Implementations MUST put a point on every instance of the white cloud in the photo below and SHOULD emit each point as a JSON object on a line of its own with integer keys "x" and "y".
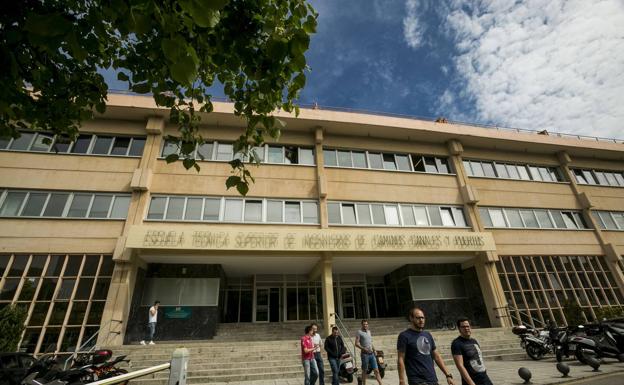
{"x": 539, "y": 64}
{"x": 413, "y": 25}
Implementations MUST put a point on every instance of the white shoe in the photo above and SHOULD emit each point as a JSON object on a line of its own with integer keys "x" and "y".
{"x": 142, "y": 342}
{"x": 152, "y": 343}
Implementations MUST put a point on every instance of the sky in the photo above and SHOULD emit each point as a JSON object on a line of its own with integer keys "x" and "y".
{"x": 538, "y": 64}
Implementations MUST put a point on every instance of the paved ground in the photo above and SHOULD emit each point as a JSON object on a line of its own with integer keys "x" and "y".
{"x": 506, "y": 373}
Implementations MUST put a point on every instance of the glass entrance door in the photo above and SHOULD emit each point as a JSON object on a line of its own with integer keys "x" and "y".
{"x": 353, "y": 302}
{"x": 348, "y": 303}
{"x": 268, "y": 304}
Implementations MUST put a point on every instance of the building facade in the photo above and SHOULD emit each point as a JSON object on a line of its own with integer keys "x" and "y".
{"x": 351, "y": 215}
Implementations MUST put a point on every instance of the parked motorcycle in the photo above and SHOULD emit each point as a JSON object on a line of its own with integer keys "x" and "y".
{"x": 47, "y": 371}
{"x": 537, "y": 343}
{"x": 565, "y": 346}
{"x": 602, "y": 340}
{"x": 346, "y": 368}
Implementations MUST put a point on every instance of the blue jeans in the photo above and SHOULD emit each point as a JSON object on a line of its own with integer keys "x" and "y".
{"x": 151, "y": 331}
{"x": 334, "y": 363}
{"x": 321, "y": 369}
{"x": 310, "y": 372}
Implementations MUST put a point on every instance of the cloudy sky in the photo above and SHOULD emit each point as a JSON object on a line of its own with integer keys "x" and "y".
{"x": 536, "y": 64}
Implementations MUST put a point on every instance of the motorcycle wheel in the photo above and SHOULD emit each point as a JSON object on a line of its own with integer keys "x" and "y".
{"x": 578, "y": 353}
{"x": 382, "y": 372}
{"x": 349, "y": 378}
{"x": 535, "y": 352}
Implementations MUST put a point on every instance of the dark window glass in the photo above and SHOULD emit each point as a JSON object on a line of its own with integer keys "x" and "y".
{"x": 79, "y": 206}
{"x": 50, "y": 340}
{"x": 90, "y": 265}
{"x": 58, "y": 313}
{"x": 46, "y": 292}
{"x": 120, "y": 147}
{"x": 36, "y": 265}
{"x": 18, "y": 265}
{"x": 78, "y": 311}
{"x": 8, "y": 290}
{"x": 443, "y": 166}
{"x": 70, "y": 339}
{"x": 81, "y": 145}
{"x": 100, "y": 206}
{"x": 56, "y": 205}
{"x": 12, "y": 204}
{"x": 157, "y": 208}
{"x": 419, "y": 164}
{"x": 55, "y": 265}
{"x": 101, "y": 288}
{"x": 107, "y": 266}
{"x": 23, "y": 142}
{"x": 66, "y": 289}
{"x": 4, "y": 262}
{"x": 102, "y": 145}
{"x": 136, "y": 147}
{"x": 333, "y": 213}
{"x": 29, "y": 342}
{"x": 292, "y": 155}
{"x": 120, "y": 207}
{"x": 388, "y": 161}
{"x": 73, "y": 265}
{"x": 34, "y": 204}
{"x": 84, "y": 288}
{"x": 40, "y": 311}
{"x": 61, "y": 144}
{"x": 430, "y": 164}
{"x": 4, "y": 142}
{"x": 211, "y": 209}
{"x": 95, "y": 313}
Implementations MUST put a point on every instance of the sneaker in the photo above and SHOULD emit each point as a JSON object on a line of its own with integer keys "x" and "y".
{"x": 152, "y": 343}
{"x": 142, "y": 342}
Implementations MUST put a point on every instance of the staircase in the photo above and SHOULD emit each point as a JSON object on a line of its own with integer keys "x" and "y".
{"x": 251, "y": 352}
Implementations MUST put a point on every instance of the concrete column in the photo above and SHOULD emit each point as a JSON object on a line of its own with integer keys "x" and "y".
{"x": 484, "y": 263}
{"x": 611, "y": 252}
{"x": 321, "y": 179}
{"x": 115, "y": 315}
{"x": 327, "y": 284}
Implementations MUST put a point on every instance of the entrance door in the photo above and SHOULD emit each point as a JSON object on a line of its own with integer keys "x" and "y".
{"x": 348, "y": 303}
{"x": 353, "y": 304}
{"x": 267, "y": 304}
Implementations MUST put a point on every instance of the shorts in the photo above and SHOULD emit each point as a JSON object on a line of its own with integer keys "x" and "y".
{"x": 369, "y": 361}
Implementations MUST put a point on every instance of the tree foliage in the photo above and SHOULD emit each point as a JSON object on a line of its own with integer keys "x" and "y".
{"x": 51, "y": 52}
{"x": 12, "y": 319}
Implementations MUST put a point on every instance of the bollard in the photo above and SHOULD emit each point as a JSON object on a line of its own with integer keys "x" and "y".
{"x": 179, "y": 365}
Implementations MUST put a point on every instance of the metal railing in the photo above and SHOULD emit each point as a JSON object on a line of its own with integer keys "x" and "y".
{"x": 132, "y": 375}
{"x": 345, "y": 332}
{"x": 79, "y": 349}
{"x": 513, "y": 312}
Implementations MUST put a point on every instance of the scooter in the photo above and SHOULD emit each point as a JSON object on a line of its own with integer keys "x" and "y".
{"x": 603, "y": 340}
{"x": 565, "y": 346}
{"x": 523, "y": 332}
{"x": 346, "y": 367}
{"x": 46, "y": 371}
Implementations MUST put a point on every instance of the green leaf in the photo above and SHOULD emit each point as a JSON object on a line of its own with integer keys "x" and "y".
{"x": 232, "y": 181}
{"x": 243, "y": 188}
{"x": 172, "y": 158}
{"x": 172, "y": 48}
{"x": 280, "y": 123}
{"x": 142, "y": 88}
{"x": 202, "y": 12}
{"x": 47, "y": 25}
{"x": 310, "y": 25}
{"x": 123, "y": 77}
{"x": 188, "y": 163}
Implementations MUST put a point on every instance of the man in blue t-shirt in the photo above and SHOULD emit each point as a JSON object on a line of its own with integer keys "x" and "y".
{"x": 417, "y": 352}
{"x": 467, "y": 356}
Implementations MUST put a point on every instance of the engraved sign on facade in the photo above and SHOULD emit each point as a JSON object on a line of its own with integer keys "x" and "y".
{"x": 257, "y": 238}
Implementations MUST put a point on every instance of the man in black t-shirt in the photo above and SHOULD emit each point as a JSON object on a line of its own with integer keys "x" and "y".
{"x": 417, "y": 352}
{"x": 467, "y": 356}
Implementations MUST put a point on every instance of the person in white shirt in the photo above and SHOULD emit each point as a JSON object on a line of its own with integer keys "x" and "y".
{"x": 151, "y": 323}
{"x": 316, "y": 338}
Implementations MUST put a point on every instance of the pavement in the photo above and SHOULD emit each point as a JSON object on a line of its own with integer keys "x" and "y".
{"x": 544, "y": 372}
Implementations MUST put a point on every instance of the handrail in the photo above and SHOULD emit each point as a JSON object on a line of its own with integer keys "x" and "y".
{"x": 342, "y": 327}
{"x": 79, "y": 349}
{"x": 132, "y": 375}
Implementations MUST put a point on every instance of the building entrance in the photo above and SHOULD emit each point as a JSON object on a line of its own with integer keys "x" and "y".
{"x": 352, "y": 302}
{"x": 268, "y": 304}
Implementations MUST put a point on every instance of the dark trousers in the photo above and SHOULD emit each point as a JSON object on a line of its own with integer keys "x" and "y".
{"x": 334, "y": 363}
{"x": 151, "y": 330}
{"x": 319, "y": 364}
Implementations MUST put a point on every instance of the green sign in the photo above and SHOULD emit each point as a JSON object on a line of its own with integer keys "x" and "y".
{"x": 178, "y": 312}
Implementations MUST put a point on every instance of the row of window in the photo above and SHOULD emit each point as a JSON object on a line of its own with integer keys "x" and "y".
{"x": 61, "y": 204}
{"x": 178, "y": 208}
{"x": 609, "y": 220}
{"x": 385, "y": 161}
{"x": 393, "y": 214}
{"x": 602, "y": 178}
{"x": 493, "y": 169}
{"x": 93, "y": 144}
{"x": 225, "y": 152}
{"x": 532, "y": 218}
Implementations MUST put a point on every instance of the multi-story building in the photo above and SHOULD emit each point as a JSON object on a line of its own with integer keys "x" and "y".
{"x": 351, "y": 214}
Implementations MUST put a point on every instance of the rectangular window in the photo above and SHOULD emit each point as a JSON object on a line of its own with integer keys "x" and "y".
{"x": 388, "y": 162}
{"x": 477, "y": 169}
{"x": 600, "y": 177}
{"x": 292, "y": 212}
{"x": 447, "y": 216}
{"x": 233, "y": 210}
{"x": 225, "y": 151}
{"x": 211, "y": 209}
{"x": 310, "y": 212}
{"x": 39, "y": 142}
{"x": 559, "y": 222}
{"x": 348, "y": 214}
{"x": 443, "y": 166}
{"x": 204, "y": 151}
{"x": 589, "y": 177}
{"x": 430, "y": 164}
{"x": 403, "y": 162}
{"x": 291, "y": 155}
{"x": 545, "y": 174}
{"x": 469, "y": 169}
{"x": 333, "y": 213}
{"x": 501, "y": 170}
{"x": 120, "y": 146}
{"x": 253, "y": 211}
{"x": 274, "y": 211}
{"x": 136, "y": 147}
{"x": 157, "y": 208}
{"x": 419, "y": 163}
{"x": 619, "y": 220}
{"x": 458, "y": 214}
{"x": 524, "y": 174}
{"x": 363, "y": 213}
{"x": 580, "y": 178}
{"x": 619, "y": 178}
{"x": 513, "y": 216}
{"x": 420, "y": 213}
{"x": 535, "y": 175}
{"x": 498, "y": 220}
{"x": 169, "y": 147}
{"x": 306, "y": 156}
{"x": 120, "y": 207}
{"x": 102, "y": 145}
{"x": 544, "y": 219}
{"x": 580, "y": 222}
{"x": 434, "y": 215}
{"x": 4, "y": 142}
{"x": 375, "y": 160}
{"x": 359, "y": 159}
{"x": 485, "y": 217}
{"x": 568, "y": 219}
{"x": 597, "y": 217}
{"x": 512, "y": 170}
{"x": 608, "y": 221}
{"x": 379, "y": 217}
{"x": 554, "y": 174}
{"x": 276, "y": 154}
{"x": 61, "y": 144}
{"x": 23, "y": 142}
{"x": 344, "y": 159}
{"x": 329, "y": 157}
{"x": 392, "y": 215}
{"x": 610, "y": 178}
{"x": 407, "y": 213}
{"x": 193, "y": 211}
{"x": 34, "y": 204}
{"x": 528, "y": 216}
{"x": 81, "y": 145}
{"x": 100, "y": 206}
{"x": 488, "y": 169}
{"x": 175, "y": 208}
{"x": 56, "y": 205}
{"x": 79, "y": 206}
